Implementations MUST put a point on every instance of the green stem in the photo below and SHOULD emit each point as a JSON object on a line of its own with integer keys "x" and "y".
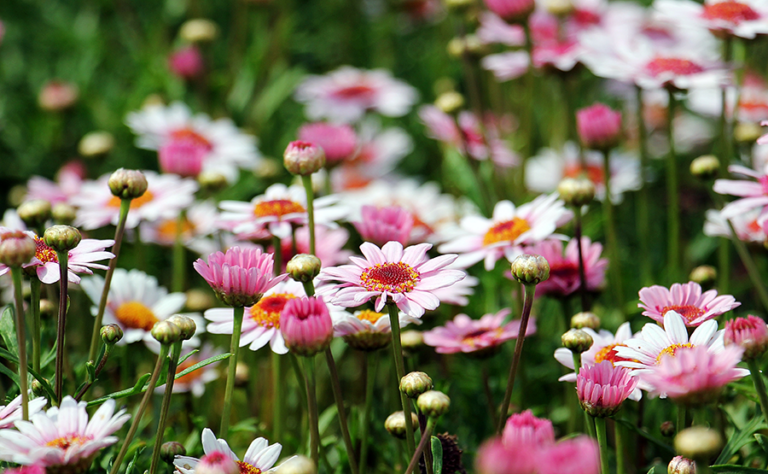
{"x": 307, "y": 182}
{"x": 372, "y": 363}
{"x": 99, "y": 368}
{"x": 179, "y": 269}
{"x": 611, "y": 239}
{"x": 277, "y": 393}
{"x": 530, "y": 291}
{"x": 21, "y": 341}
{"x": 234, "y": 349}
{"x": 394, "y": 321}
{"x": 724, "y": 266}
{"x": 619, "y": 437}
{"x": 582, "y": 271}
{"x": 587, "y": 419}
{"x": 680, "y": 425}
{"x": 749, "y": 264}
{"x": 673, "y": 202}
{"x": 172, "y": 363}
{"x": 602, "y": 441}
{"x": 642, "y": 226}
{"x": 488, "y": 394}
{"x": 300, "y": 381}
{"x": 125, "y": 206}
{"x": 62, "y": 323}
{"x": 142, "y": 408}
{"x": 757, "y": 379}
{"x": 336, "y": 386}
{"x": 702, "y": 466}
{"x": 34, "y": 303}
{"x": 277, "y": 245}
{"x": 314, "y": 429}
{"x": 426, "y": 438}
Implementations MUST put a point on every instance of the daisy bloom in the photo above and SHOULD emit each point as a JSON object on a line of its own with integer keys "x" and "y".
{"x": 379, "y": 225}
{"x": 686, "y": 300}
{"x": 260, "y": 456}
{"x": 199, "y": 221}
{"x": 11, "y": 413}
{"x": 603, "y": 387}
{"x": 346, "y": 94}
{"x": 508, "y": 231}
{"x": 62, "y": 438}
{"x": 339, "y": 142}
{"x": 511, "y": 10}
{"x": 493, "y": 30}
{"x": 564, "y": 266}
{"x": 742, "y": 18}
{"x": 752, "y": 99}
{"x": 33, "y": 469}
{"x": 405, "y": 277}
{"x": 366, "y": 330}
{"x": 261, "y": 323}
{"x": 459, "y": 292}
{"x": 482, "y": 337}
{"x": 81, "y": 259}
{"x": 497, "y": 457}
{"x": 599, "y": 126}
{"x": 136, "y": 302}
{"x": 329, "y": 243}
{"x": 695, "y": 376}
{"x": 507, "y": 66}
{"x": 750, "y": 333}
{"x": 748, "y": 225}
{"x": 166, "y": 196}
{"x": 753, "y": 194}
{"x": 68, "y": 181}
{"x": 195, "y": 381}
{"x": 188, "y": 144}
{"x": 524, "y": 429}
{"x": 579, "y": 455}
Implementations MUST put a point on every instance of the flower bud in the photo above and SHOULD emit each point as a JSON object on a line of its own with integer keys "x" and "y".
{"x": 211, "y": 181}
{"x": 306, "y": 326}
{"x": 705, "y": 167}
{"x": 111, "y": 334}
{"x": 459, "y": 5}
{"x": 303, "y": 158}
{"x": 199, "y": 300}
{"x": 681, "y": 465}
{"x": 34, "y": 213}
{"x": 127, "y": 184}
{"x": 37, "y": 388}
{"x": 242, "y": 374}
{"x": 56, "y": 96}
{"x": 95, "y": 144}
{"x": 577, "y": 340}
{"x": 165, "y": 332}
{"x": 267, "y": 168}
{"x": 216, "y": 463}
{"x": 599, "y": 127}
{"x": 171, "y": 449}
{"x": 561, "y": 8}
{"x": 62, "y": 238}
{"x": 747, "y": 132}
{"x": 16, "y": 195}
{"x": 63, "y": 213}
{"x": 198, "y": 30}
{"x": 395, "y": 423}
{"x": 585, "y": 320}
{"x": 16, "y": 248}
{"x": 667, "y": 429}
{"x": 703, "y": 274}
{"x": 297, "y": 465}
{"x": 433, "y": 403}
{"x": 303, "y": 267}
{"x": 411, "y": 339}
{"x": 47, "y": 308}
{"x": 530, "y": 269}
{"x": 576, "y": 192}
{"x": 186, "y": 325}
{"x": 698, "y": 443}
{"x": 751, "y": 333}
{"x": 415, "y": 383}
{"x": 449, "y": 102}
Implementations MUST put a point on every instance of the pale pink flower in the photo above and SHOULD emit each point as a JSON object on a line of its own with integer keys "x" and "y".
{"x": 599, "y": 126}
{"x": 68, "y": 182}
{"x": 306, "y": 325}
{"x": 186, "y": 62}
{"x": 459, "y": 292}
{"x": 743, "y": 18}
{"x": 440, "y": 126}
{"x": 339, "y": 142}
{"x": 562, "y": 55}
{"x": 406, "y": 276}
{"x": 56, "y": 96}
{"x": 579, "y": 455}
{"x": 511, "y": 10}
{"x": 81, "y": 259}
{"x": 63, "y": 436}
{"x": 753, "y": 194}
{"x": 752, "y": 100}
{"x": 260, "y": 456}
{"x": 749, "y": 225}
{"x": 379, "y": 225}
{"x": 493, "y": 30}
{"x": 750, "y": 333}
{"x": 328, "y": 246}
{"x": 564, "y": 266}
{"x": 507, "y": 66}
{"x": 217, "y": 462}
{"x": 526, "y": 431}
{"x": 11, "y": 413}
{"x": 603, "y": 387}
{"x": 687, "y": 300}
{"x": 496, "y": 457}
{"x": 33, "y": 469}
{"x": 480, "y": 337}
{"x": 199, "y": 221}
{"x": 346, "y": 94}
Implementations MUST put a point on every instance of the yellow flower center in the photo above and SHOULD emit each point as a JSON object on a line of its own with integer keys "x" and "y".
{"x": 192, "y": 376}
{"x": 507, "y": 231}
{"x": 267, "y": 311}
{"x": 473, "y": 339}
{"x": 368, "y": 315}
{"x": 44, "y": 253}
{"x": 168, "y": 228}
{"x": 391, "y": 277}
{"x": 135, "y": 203}
{"x": 277, "y": 208}
{"x": 609, "y": 353}
{"x": 65, "y": 442}
{"x": 135, "y": 315}
{"x": 689, "y": 312}
{"x": 672, "y": 350}
{"x": 246, "y": 468}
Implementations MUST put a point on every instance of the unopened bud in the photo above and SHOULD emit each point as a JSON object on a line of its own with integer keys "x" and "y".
{"x": 185, "y": 324}
{"x": 530, "y": 269}
{"x": 577, "y": 340}
{"x": 576, "y": 192}
{"x": 681, "y": 465}
{"x": 433, "y": 403}
{"x": 16, "y": 195}
{"x": 56, "y": 96}
{"x": 705, "y": 167}
{"x": 303, "y": 158}
{"x": 199, "y": 300}
{"x": 111, "y": 334}
{"x": 171, "y": 449}
{"x": 165, "y": 332}
{"x": 585, "y": 319}
{"x": 34, "y": 213}
{"x": 698, "y": 443}
{"x": 747, "y": 132}
{"x": 96, "y": 144}
{"x": 127, "y": 184}
{"x": 297, "y": 465}
{"x": 37, "y": 388}
{"x": 559, "y": 8}
{"x": 47, "y": 308}
{"x": 667, "y": 429}
{"x": 198, "y": 30}
{"x": 267, "y": 168}
{"x": 415, "y": 383}
{"x": 16, "y": 248}
{"x": 242, "y": 374}
{"x": 212, "y": 181}
{"x": 62, "y": 238}
{"x": 63, "y": 213}
{"x": 303, "y": 267}
{"x": 703, "y": 274}
{"x": 459, "y": 5}
{"x": 449, "y": 102}
{"x": 411, "y": 339}
{"x": 395, "y": 423}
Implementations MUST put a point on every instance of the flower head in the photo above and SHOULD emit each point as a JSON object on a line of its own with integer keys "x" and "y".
{"x": 497, "y": 457}
{"x": 603, "y": 387}
{"x": 476, "y": 337}
{"x": 687, "y": 300}
{"x": 306, "y": 325}
{"x": 260, "y": 456}
{"x": 81, "y": 259}
{"x": 525, "y": 430}
{"x": 750, "y": 333}
{"x": 380, "y": 225}
{"x": 186, "y": 62}
{"x": 367, "y": 330}
{"x": 511, "y": 10}
{"x": 742, "y": 18}
{"x": 11, "y": 413}
{"x": 578, "y": 455}
{"x": 599, "y": 126}
{"x": 564, "y": 266}
{"x": 339, "y": 142}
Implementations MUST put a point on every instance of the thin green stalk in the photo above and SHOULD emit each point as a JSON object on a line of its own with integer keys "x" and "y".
{"x": 673, "y": 201}
{"x": 611, "y": 238}
{"x": 619, "y": 437}
{"x": 172, "y": 363}
{"x": 277, "y": 245}
{"x": 234, "y": 349}
{"x": 125, "y": 206}
{"x": 723, "y": 265}
{"x": 394, "y": 321}
{"x": 307, "y": 182}
{"x": 576, "y": 362}
{"x": 642, "y": 226}
{"x": 426, "y": 439}
{"x": 488, "y": 394}
{"x": 680, "y": 425}
{"x": 99, "y": 368}
{"x": 749, "y": 264}
{"x": 21, "y": 340}
{"x": 277, "y": 394}
{"x": 34, "y": 303}
{"x": 702, "y": 466}
{"x": 530, "y": 290}
{"x": 725, "y": 139}
{"x": 757, "y": 379}
{"x": 587, "y": 419}
{"x": 582, "y": 271}
{"x": 314, "y": 429}
{"x": 372, "y": 362}
{"x": 142, "y": 408}
{"x": 602, "y": 441}
{"x": 336, "y": 386}
{"x": 300, "y": 381}
{"x": 179, "y": 256}
{"x": 62, "y": 323}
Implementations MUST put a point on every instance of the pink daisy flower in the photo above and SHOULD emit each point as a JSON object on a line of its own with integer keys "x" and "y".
{"x": 366, "y": 330}
{"x": 328, "y": 246}
{"x": 186, "y": 62}
{"x": 346, "y": 94}
{"x": 11, "y": 413}
{"x": 686, "y": 300}
{"x": 599, "y": 126}
{"x": 524, "y": 429}
{"x": 743, "y": 18}
{"x": 508, "y": 65}
{"x": 379, "y": 225}
{"x": 603, "y": 387}
{"x": 511, "y": 10}
{"x": 62, "y": 436}
{"x": 749, "y": 226}
{"x": 406, "y": 276}
{"x": 69, "y": 179}
{"x": 753, "y": 194}
{"x": 579, "y": 455}
{"x": 33, "y": 469}
{"x": 507, "y": 232}
{"x": 339, "y": 142}
{"x": 459, "y": 292}
{"x": 494, "y": 30}
{"x": 260, "y": 456}
{"x": 564, "y": 266}
{"x": 496, "y": 457}
{"x": 477, "y": 337}
{"x": 750, "y": 333}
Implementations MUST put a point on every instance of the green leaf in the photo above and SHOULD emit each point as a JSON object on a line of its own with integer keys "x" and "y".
{"x": 201, "y": 364}
{"x": 8, "y": 330}
{"x": 132, "y": 465}
{"x": 762, "y": 440}
{"x": 183, "y": 358}
{"x": 739, "y": 438}
{"x": 652, "y": 470}
{"x": 50, "y": 357}
{"x": 646, "y": 435}
{"x": 437, "y": 455}
{"x": 730, "y": 469}
{"x": 10, "y": 374}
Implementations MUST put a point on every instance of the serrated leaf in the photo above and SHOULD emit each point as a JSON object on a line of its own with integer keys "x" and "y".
{"x": 646, "y": 435}
{"x": 437, "y": 455}
{"x": 8, "y": 330}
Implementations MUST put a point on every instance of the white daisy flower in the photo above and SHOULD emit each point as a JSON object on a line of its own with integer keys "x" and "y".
{"x": 259, "y": 458}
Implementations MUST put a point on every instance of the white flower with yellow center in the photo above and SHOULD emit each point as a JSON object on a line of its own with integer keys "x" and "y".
{"x": 258, "y": 459}
{"x": 199, "y": 220}
{"x": 366, "y": 330}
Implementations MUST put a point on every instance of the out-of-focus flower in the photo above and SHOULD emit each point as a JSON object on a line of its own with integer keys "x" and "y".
{"x": 524, "y": 430}
{"x": 599, "y": 126}
{"x": 380, "y": 225}
{"x": 339, "y": 142}
{"x": 198, "y": 30}
{"x": 216, "y": 463}
{"x": 603, "y": 387}
{"x": 189, "y": 144}
{"x": 33, "y": 469}
{"x": 564, "y": 266}
{"x": 366, "y": 330}
{"x": 306, "y": 325}
{"x": 743, "y": 18}
{"x": 62, "y": 437}
{"x": 507, "y": 66}
{"x": 459, "y": 292}
{"x": 57, "y": 95}
{"x": 328, "y": 246}
{"x": 346, "y": 94}
{"x": 195, "y": 381}
{"x": 199, "y": 221}
{"x": 493, "y": 29}
{"x": 686, "y": 300}
{"x": 752, "y": 100}
{"x": 406, "y": 276}
{"x": 11, "y": 413}
{"x": 496, "y": 457}
{"x": 260, "y": 456}
{"x": 579, "y": 455}
{"x": 186, "y": 62}
{"x": 753, "y": 194}
{"x": 764, "y": 139}
{"x": 69, "y": 179}
{"x": 96, "y": 144}
{"x": 511, "y": 10}
{"x": 750, "y": 333}
{"x": 476, "y": 337}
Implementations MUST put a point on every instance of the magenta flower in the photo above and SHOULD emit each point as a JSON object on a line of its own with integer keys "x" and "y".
{"x": 579, "y": 455}
{"x": 524, "y": 429}
{"x": 380, "y": 225}
{"x": 687, "y": 300}
{"x": 564, "y": 266}
{"x": 306, "y": 326}
{"x": 406, "y": 277}
{"x": 217, "y": 462}
{"x": 603, "y": 387}
{"x": 186, "y": 63}
{"x": 751, "y": 333}
{"x": 33, "y": 469}
{"x": 511, "y": 9}
{"x": 479, "y": 337}
{"x": 240, "y": 277}
{"x": 599, "y": 126}
{"x": 497, "y": 457}
{"x": 339, "y": 142}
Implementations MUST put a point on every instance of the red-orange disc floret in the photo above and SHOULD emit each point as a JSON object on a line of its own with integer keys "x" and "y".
{"x": 732, "y": 11}
{"x": 689, "y": 312}
{"x": 609, "y": 353}
{"x": 44, "y": 253}
{"x": 246, "y": 468}
{"x": 390, "y": 277}
{"x": 677, "y": 66}
{"x": 277, "y": 208}
{"x": 507, "y": 231}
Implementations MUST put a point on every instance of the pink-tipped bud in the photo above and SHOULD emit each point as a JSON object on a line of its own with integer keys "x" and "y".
{"x": 216, "y": 463}
{"x": 751, "y": 333}
{"x": 512, "y": 10}
{"x": 599, "y": 126}
{"x": 303, "y": 158}
{"x": 384, "y": 224}
{"x": 338, "y": 141}
{"x": 186, "y": 62}
{"x": 306, "y": 326}
{"x": 681, "y": 465}
{"x": 56, "y": 96}
{"x": 16, "y": 248}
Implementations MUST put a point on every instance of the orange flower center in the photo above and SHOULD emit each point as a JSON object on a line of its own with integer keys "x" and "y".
{"x": 593, "y": 172}
{"x": 368, "y": 315}
{"x": 246, "y": 468}
{"x": 391, "y": 277}
{"x": 44, "y": 253}
{"x": 609, "y": 353}
{"x": 507, "y": 231}
{"x": 474, "y": 338}
{"x": 689, "y": 312}
{"x": 190, "y": 136}
{"x": 277, "y": 208}
{"x": 169, "y": 227}
{"x": 267, "y": 311}
{"x": 135, "y": 315}
{"x": 192, "y": 376}
{"x": 731, "y": 11}
{"x": 677, "y": 66}
{"x": 672, "y": 350}
{"x": 135, "y": 203}
{"x": 65, "y": 442}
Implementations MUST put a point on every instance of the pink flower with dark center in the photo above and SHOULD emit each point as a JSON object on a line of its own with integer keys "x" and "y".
{"x": 511, "y": 10}
{"x": 579, "y": 455}
{"x": 259, "y": 457}
{"x": 687, "y": 300}
{"x": 599, "y": 126}
{"x": 380, "y": 225}
{"x": 526, "y": 431}
{"x": 497, "y": 457}
{"x": 743, "y": 18}
{"x": 406, "y": 277}
{"x": 186, "y": 62}
{"x": 306, "y": 325}
{"x": 564, "y": 266}
{"x": 476, "y": 337}
{"x": 240, "y": 277}
{"x": 338, "y": 141}
{"x": 602, "y": 388}
{"x": 750, "y": 333}
{"x": 183, "y": 154}
{"x": 217, "y": 462}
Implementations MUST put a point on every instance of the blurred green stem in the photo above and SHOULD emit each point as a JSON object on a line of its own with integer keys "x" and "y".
{"x": 21, "y": 341}
{"x": 673, "y": 201}
{"x": 394, "y": 321}
{"x": 680, "y": 426}
{"x": 179, "y": 269}
{"x": 61, "y": 327}
{"x": 172, "y": 363}
{"x": 610, "y": 232}
{"x": 757, "y": 379}
{"x": 643, "y": 198}
{"x": 277, "y": 394}
{"x": 34, "y": 302}
{"x": 372, "y": 362}
{"x": 426, "y": 439}
{"x": 336, "y": 386}
{"x": 582, "y": 271}
{"x": 314, "y": 430}
{"x": 602, "y": 441}
{"x": 277, "y": 245}
{"x": 307, "y": 182}
{"x": 620, "y": 439}
{"x": 234, "y": 349}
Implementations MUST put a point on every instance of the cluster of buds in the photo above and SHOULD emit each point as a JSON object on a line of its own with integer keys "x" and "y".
{"x": 174, "y": 329}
